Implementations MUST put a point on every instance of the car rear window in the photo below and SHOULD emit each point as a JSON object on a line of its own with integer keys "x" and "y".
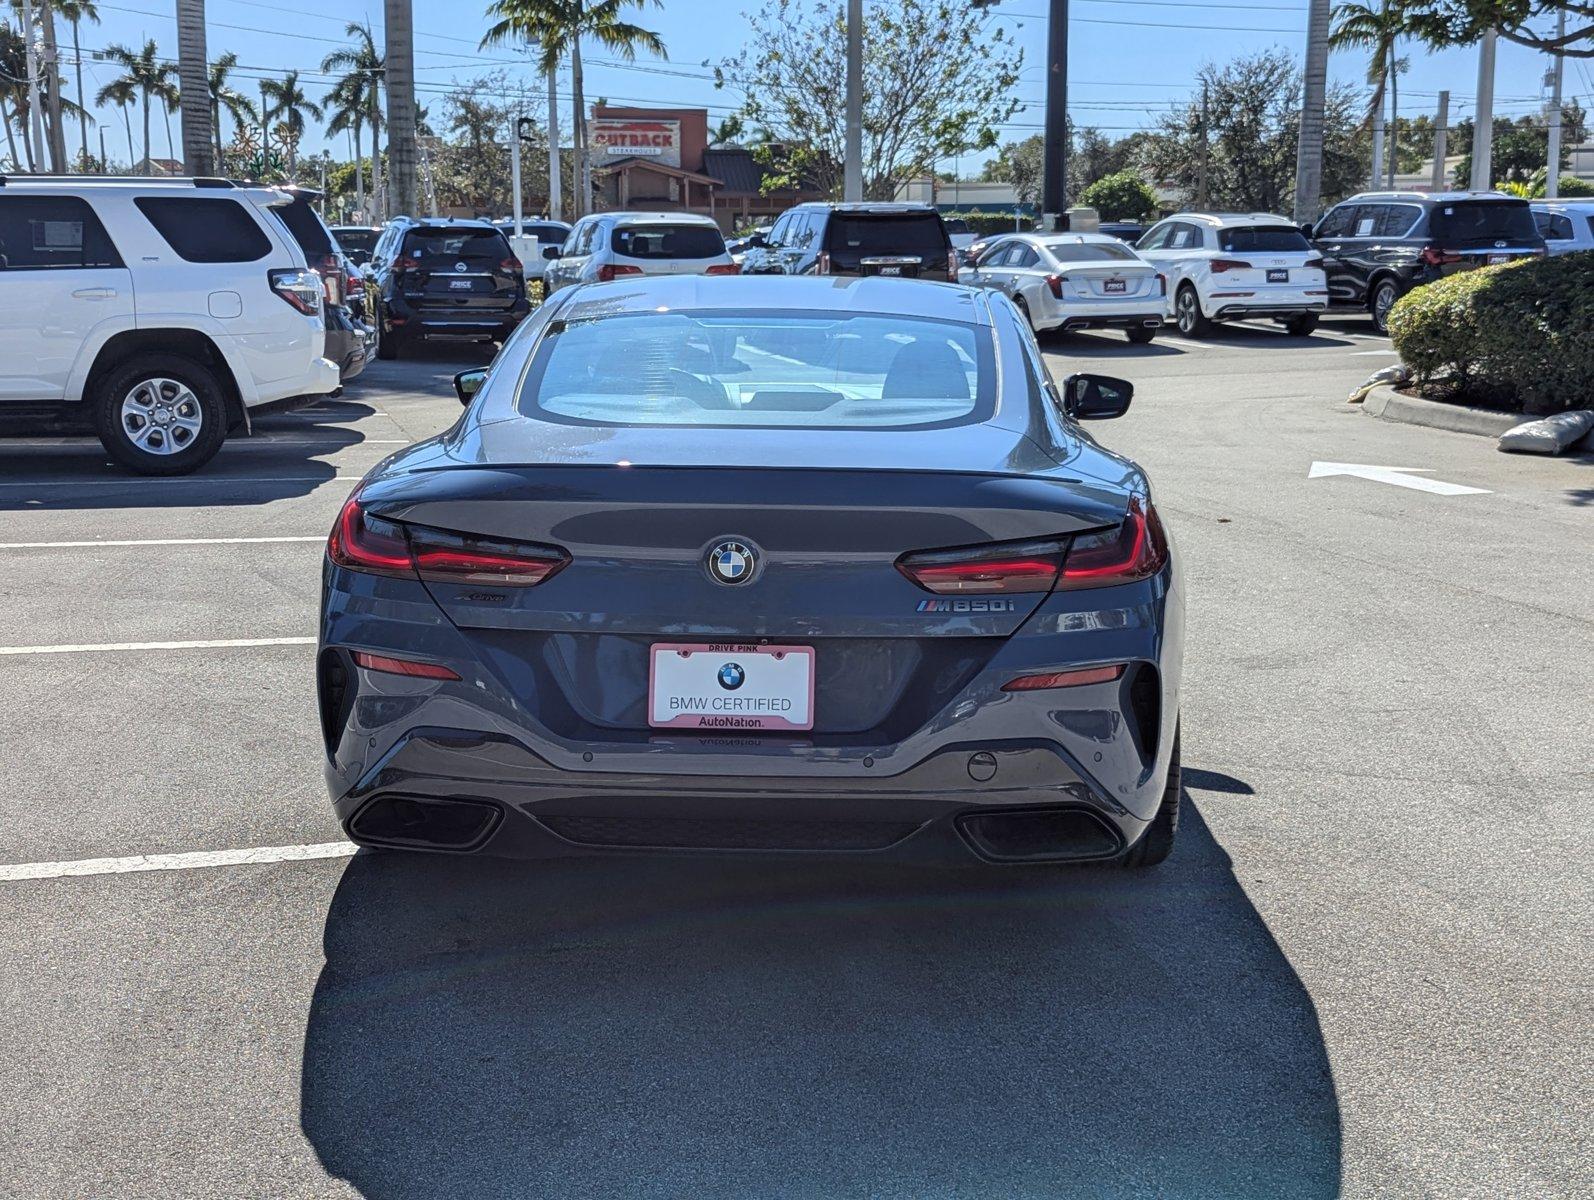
{"x": 362, "y": 240}
{"x": 667, "y": 241}
{"x": 1086, "y": 252}
{"x": 471, "y": 245}
{"x": 1466, "y": 222}
{"x": 206, "y": 230}
{"x": 306, "y": 228}
{"x": 1241, "y": 239}
{"x": 886, "y": 233}
{"x": 761, "y": 369}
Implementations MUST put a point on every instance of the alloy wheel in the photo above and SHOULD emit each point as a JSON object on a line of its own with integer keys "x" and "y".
{"x": 161, "y": 416}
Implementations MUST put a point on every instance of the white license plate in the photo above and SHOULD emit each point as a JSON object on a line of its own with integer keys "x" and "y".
{"x": 463, "y": 285}
{"x": 1278, "y": 275}
{"x": 1115, "y": 286}
{"x": 1498, "y": 258}
{"x": 730, "y": 686}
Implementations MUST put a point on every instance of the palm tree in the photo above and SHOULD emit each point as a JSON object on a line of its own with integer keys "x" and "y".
{"x": 76, "y": 12}
{"x": 557, "y": 27}
{"x": 286, "y": 101}
{"x": 224, "y": 97}
{"x": 147, "y": 75}
{"x": 398, "y": 29}
{"x": 123, "y": 95}
{"x": 365, "y": 69}
{"x": 194, "y": 101}
{"x": 1378, "y": 30}
{"x": 347, "y": 104}
{"x": 51, "y": 97}
{"x": 14, "y": 94}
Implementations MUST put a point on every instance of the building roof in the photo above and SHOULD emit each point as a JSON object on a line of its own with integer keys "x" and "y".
{"x": 652, "y": 164}
{"x": 738, "y": 168}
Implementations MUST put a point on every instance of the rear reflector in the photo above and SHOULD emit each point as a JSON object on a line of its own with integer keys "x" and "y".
{"x": 402, "y": 666}
{"x": 1137, "y": 549}
{"x": 375, "y": 546}
{"x": 974, "y": 570}
{"x": 1063, "y": 679}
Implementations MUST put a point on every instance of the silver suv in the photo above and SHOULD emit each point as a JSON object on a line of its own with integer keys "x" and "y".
{"x": 608, "y": 246}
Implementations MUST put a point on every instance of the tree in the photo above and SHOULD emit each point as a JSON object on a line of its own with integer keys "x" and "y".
{"x": 285, "y": 101}
{"x": 1123, "y": 196}
{"x": 362, "y": 84}
{"x": 76, "y": 12}
{"x": 14, "y": 95}
{"x": 223, "y": 97}
{"x": 1520, "y": 147}
{"x": 1442, "y": 23}
{"x": 557, "y": 27}
{"x": 145, "y": 74}
{"x": 1254, "y": 121}
{"x": 398, "y": 30}
{"x": 194, "y": 99}
{"x": 1021, "y": 164}
{"x": 938, "y": 80}
{"x": 1377, "y": 30}
{"x": 123, "y": 95}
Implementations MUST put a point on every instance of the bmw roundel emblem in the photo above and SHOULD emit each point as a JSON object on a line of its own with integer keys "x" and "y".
{"x": 731, "y": 562}
{"x": 731, "y": 676}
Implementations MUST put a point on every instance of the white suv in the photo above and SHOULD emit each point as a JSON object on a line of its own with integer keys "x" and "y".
{"x": 1231, "y": 266}
{"x": 607, "y": 246}
{"x": 154, "y": 312}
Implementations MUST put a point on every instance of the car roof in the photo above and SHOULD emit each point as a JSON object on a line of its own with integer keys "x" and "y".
{"x": 656, "y": 218}
{"x": 1578, "y": 204}
{"x": 807, "y": 293}
{"x": 882, "y": 207}
{"x": 1433, "y": 197}
{"x": 447, "y": 223}
{"x": 1222, "y": 220}
{"x": 1082, "y": 238}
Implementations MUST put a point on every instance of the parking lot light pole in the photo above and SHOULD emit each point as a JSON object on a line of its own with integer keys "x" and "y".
{"x": 1552, "y": 168}
{"x": 852, "y": 163}
{"x": 1483, "y": 120}
{"x": 1054, "y": 190}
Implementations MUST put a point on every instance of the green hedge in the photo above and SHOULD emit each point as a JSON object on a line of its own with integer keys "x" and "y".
{"x": 985, "y": 224}
{"x": 1519, "y": 335}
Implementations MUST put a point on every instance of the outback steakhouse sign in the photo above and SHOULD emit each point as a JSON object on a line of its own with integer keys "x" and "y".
{"x": 622, "y": 137}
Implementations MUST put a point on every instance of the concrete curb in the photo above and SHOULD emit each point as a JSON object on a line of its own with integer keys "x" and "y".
{"x": 1384, "y": 401}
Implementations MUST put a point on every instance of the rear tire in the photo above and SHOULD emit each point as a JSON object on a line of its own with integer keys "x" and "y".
{"x": 1302, "y": 325}
{"x": 158, "y": 414}
{"x": 387, "y": 340}
{"x": 1187, "y": 312}
{"x": 1383, "y": 299}
{"x": 1157, "y": 842}
{"x": 1140, "y": 336}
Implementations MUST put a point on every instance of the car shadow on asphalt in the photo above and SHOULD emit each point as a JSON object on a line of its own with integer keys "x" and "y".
{"x": 718, "y": 1028}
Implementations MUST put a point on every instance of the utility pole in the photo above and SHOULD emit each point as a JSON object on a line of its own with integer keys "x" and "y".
{"x": 1309, "y": 147}
{"x": 52, "y": 73}
{"x": 399, "y": 28}
{"x": 105, "y": 163}
{"x": 555, "y": 179}
{"x": 35, "y": 109}
{"x": 1054, "y": 188}
{"x": 1378, "y": 147}
{"x": 1552, "y": 167}
{"x": 520, "y": 131}
{"x": 1394, "y": 113}
{"x": 1202, "y": 189}
{"x": 1483, "y": 122}
{"x": 852, "y": 154}
{"x": 1441, "y": 136}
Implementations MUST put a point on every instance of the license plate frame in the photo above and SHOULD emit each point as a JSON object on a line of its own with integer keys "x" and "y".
{"x": 461, "y": 285}
{"x": 1278, "y": 274}
{"x": 1494, "y": 260}
{"x": 686, "y": 689}
{"x": 889, "y": 270}
{"x": 1115, "y": 287}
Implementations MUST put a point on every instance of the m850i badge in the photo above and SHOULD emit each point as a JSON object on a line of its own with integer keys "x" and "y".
{"x": 965, "y": 606}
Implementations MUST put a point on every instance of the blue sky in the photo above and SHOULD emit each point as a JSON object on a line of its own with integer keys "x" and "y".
{"x": 1129, "y": 58}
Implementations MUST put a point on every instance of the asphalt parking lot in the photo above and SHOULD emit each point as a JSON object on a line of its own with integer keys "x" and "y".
{"x": 1364, "y": 971}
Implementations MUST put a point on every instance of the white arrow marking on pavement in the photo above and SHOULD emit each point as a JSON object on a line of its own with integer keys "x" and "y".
{"x": 1406, "y": 477}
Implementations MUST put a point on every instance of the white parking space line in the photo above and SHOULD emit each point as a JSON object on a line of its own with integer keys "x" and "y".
{"x": 194, "y": 861}
{"x": 220, "y": 541}
{"x": 1186, "y": 343}
{"x": 254, "y": 443}
{"x": 1365, "y": 353}
{"x": 109, "y": 647}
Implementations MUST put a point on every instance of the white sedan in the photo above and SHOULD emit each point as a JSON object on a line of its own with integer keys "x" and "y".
{"x": 1234, "y": 266}
{"x": 1566, "y": 225}
{"x": 1071, "y": 281}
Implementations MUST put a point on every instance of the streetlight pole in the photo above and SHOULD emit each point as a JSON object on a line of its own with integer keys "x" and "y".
{"x": 1483, "y": 122}
{"x": 1054, "y": 190}
{"x": 1552, "y": 167}
{"x": 35, "y": 111}
{"x": 852, "y": 162}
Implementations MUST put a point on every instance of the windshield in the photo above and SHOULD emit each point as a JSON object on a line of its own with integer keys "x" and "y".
{"x": 762, "y": 369}
{"x": 1468, "y": 221}
{"x": 1261, "y": 239}
{"x": 667, "y": 241}
{"x": 1085, "y": 252}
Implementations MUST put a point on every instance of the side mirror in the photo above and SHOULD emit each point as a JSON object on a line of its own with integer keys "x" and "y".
{"x": 758, "y": 240}
{"x": 1309, "y": 231}
{"x": 1096, "y": 397}
{"x": 468, "y": 383}
{"x": 551, "y": 252}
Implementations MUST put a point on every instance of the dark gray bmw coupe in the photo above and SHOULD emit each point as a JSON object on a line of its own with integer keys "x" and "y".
{"x": 759, "y": 565}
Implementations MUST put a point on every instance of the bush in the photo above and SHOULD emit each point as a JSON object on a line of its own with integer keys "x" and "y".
{"x": 986, "y": 224}
{"x": 1519, "y": 335}
{"x": 1122, "y": 196}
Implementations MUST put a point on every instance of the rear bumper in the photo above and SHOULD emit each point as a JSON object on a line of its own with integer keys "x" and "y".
{"x": 418, "y": 321}
{"x": 470, "y": 792}
{"x": 320, "y": 377}
{"x": 1267, "y": 302}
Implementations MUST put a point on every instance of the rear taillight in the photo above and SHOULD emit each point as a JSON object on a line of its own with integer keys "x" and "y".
{"x": 1230, "y": 264}
{"x": 402, "y": 666}
{"x": 331, "y": 272}
{"x": 511, "y": 264}
{"x": 998, "y": 567}
{"x": 301, "y": 289}
{"x": 1435, "y": 257}
{"x": 612, "y": 271}
{"x": 822, "y": 263}
{"x": 952, "y": 266}
{"x": 1313, "y": 264}
{"x": 1055, "y": 282}
{"x": 405, "y": 263}
{"x": 1081, "y": 677}
{"x": 1137, "y": 549}
{"x": 376, "y": 546}
{"x": 729, "y": 268}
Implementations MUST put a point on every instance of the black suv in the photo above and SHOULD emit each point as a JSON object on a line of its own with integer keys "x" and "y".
{"x": 346, "y": 342}
{"x": 905, "y": 240}
{"x": 1377, "y": 246}
{"x": 435, "y": 277}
